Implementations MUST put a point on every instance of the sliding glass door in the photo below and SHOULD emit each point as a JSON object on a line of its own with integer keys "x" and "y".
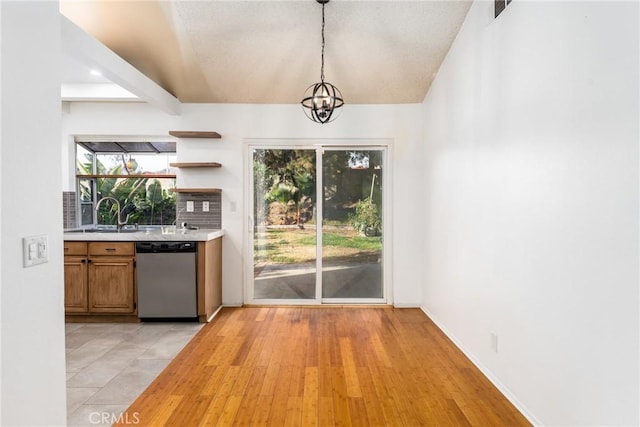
{"x": 308, "y": 249}
{"x": 352, "y": 224}
{"x": 284, "y": 231}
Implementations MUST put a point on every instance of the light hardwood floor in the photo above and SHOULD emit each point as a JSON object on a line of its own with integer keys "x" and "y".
{"x": 290, "y": 366}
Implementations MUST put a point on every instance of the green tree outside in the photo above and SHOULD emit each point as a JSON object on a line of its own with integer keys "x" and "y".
{"x": 143, "y": 199}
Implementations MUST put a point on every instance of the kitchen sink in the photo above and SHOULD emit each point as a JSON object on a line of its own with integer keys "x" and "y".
{"x": 102, "y": 230}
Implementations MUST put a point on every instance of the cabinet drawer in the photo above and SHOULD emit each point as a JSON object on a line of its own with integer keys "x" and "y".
{"x": 75, "y": 248}
{"x": 111, "y": 248}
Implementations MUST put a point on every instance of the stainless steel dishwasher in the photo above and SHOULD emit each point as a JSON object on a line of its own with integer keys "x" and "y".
{"x": 166, "y": 280}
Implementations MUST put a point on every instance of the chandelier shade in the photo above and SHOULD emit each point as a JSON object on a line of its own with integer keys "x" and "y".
{"x": 322, "y": 100}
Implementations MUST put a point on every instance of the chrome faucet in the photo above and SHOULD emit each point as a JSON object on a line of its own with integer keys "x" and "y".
{"x": 120, "y": 222}
{"x": 175, "y": 222}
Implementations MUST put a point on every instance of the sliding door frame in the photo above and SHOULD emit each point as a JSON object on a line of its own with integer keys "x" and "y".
{"x": 319, "y": 145}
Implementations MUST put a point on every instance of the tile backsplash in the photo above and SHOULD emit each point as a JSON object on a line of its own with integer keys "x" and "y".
{"x": 69, "y": 209}
{"x": 211, "y": 219}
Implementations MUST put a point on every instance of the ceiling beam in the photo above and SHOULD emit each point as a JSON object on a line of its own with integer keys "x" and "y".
{"x": 89, "y": 51}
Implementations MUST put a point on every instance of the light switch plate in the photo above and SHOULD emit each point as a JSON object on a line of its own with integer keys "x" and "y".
{"x": 190, "y": 206}
{"x": 35, "y": 250}
{"x": 205, "y": 206}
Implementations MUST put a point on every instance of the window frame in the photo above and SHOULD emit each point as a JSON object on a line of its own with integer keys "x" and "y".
{"x": 92, "y": 178}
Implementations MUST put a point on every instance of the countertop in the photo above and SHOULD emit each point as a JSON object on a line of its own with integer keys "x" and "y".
{"x": 149, "y": 235}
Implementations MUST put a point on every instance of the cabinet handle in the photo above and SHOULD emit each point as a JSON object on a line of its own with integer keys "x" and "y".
{"x": 83, "y": 261}
{"x": 110, "y": 249}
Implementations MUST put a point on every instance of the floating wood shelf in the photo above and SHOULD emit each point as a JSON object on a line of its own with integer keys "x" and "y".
{"x": 150, "y": 175}
{"x": 195, "y": 165}
{"x": 196, "y": 190}
{"x": 194, "y": 134}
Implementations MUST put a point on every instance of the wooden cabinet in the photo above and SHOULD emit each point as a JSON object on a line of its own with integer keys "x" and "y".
{"x": 75, "y": 248}
{"x": 75, "y": 277}
{"x": 111, "y": 249}
{"x": 75, "y": 284}
{"x": 111, "y": 285}
{"x": 99, "y": 278}
{"x": 209, "y": 278}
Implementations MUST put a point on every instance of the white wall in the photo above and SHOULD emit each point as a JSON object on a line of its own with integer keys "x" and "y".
{"x": 531, "y": 192}
{"x": 239, "y": 122}
{"x": 32, "y": 371}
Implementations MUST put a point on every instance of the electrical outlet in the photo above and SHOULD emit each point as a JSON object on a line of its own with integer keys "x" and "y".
{"x": 190, "y": 206}
{"x": 494, "y": 342}
{"x": 35, "y": 250}
{"x": 205, "y": 206}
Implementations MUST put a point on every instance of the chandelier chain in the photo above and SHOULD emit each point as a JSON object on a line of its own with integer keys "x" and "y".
{"x": 322, "y": 100}
{"x": 322, "y": 56}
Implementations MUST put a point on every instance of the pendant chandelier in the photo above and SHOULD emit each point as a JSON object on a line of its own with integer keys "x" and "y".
{"x": 321, "y": 100}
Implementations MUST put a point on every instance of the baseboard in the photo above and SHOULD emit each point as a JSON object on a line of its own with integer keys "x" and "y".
{"x": 486, "y": 372}
{"x": 101, "y": 318}
{"x": 214, "y": 314}
{"x": 406, "y": 305}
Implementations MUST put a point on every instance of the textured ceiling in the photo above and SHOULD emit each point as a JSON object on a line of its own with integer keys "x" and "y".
{"x": 377, "y": 52}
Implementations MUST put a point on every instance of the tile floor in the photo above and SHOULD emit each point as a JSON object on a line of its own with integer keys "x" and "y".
{"x": 110, "y": 364}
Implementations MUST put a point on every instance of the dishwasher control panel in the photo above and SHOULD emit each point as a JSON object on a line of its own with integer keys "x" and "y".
{"x": 156, "y": 247}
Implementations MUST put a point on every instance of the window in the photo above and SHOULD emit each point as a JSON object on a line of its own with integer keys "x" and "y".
{"x": 135, "y": 173}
